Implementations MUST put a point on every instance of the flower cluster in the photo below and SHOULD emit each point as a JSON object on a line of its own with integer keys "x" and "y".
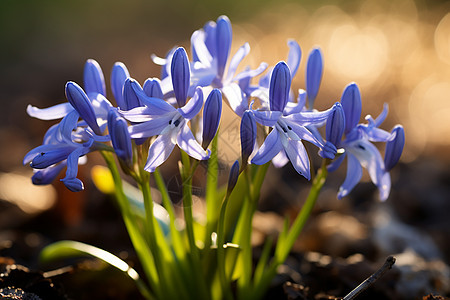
{"x": 167, "y": 109}
{"x": 183, "y": 108}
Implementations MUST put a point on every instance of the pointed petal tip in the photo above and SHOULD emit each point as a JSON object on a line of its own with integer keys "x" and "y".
{"x": 73, "y": 184}
{"x": 280, "y": 84}
{"x": 180, "y": 74}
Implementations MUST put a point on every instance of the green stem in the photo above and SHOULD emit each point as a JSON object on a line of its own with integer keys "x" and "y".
{"x": 167, "y": 202}
{"x": 221, "y": 251}
{"x": 306, "y": 210}
{"x": 211, "y": 196}
{"x": 137, "y": 239}
{"x": 186, "y": 176}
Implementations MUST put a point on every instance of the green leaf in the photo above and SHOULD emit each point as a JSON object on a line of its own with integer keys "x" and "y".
{"x": 64, "y": 249}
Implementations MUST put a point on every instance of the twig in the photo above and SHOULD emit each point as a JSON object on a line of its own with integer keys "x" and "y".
{"x": 390, "y": 261}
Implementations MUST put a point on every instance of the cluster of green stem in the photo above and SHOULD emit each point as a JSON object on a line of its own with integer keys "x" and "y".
{"x": 212, "y": 260}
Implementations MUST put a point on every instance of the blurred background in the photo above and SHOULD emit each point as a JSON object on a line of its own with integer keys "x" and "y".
{"x": 397, "y": 51}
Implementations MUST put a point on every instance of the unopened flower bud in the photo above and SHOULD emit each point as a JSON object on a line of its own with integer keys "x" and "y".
{"x": 81, "y": 103}
{"x": 280, "y": 84}
{"x": 394, "y": 148}
{"x": 233, "y": 177}
{"x": 351, "y": 103}
{"x": 248, "y": 136}
{"x": 335, "y": 125}
{"x": 120, "y": 137}
{"x": 180, "y": 75}
{"x": 118, "y": 76}
{"x": 94, "y": 81}
{"x": 314, "y": 70}
{"x": 211, "y": 116}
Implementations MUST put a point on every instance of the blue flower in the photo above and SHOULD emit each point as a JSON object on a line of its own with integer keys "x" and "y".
{"x": 170, "y": 124}
{"x": 90, "y": 103}
{"x": 63, "y": 145}
{"x": 68, "y": 141}
{"x": 261, "y": 91}
{"x": 359, "y": 150}
{"x": 248, "y": 136}
{"x": 119, "y": 75}
{"x": 394, "y": 148}
{"x": 211, "y": 65}
{"x": 211, "y": 116}
{"x": 120, "y": 138}
{"x": 288, "y": 130}
{"x": 233, "y": 177}
{"x": 314, "y": 70}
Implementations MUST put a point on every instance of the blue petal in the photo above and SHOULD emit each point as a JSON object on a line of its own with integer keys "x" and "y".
{"x": 301, "y": 99}
{"x": 80, "y": 101}
{"x": 193, "y": 107}
{"x": 70, "y": 181}
{"x": 380, "y": 119}
{"x": 38, "y": 151}
{"x": 52, "y": 135}
{"x": 280, "y": 84}
{"x": 211, "y": 116}
{"x": 351, "y": 103}
{"x": 223, "y": 43}
{"x": 314, "y": 70}
{"x": 266, "y": 117}
{"x": 236, "y": 60}
{"x": 248, "y": 135}
{"x": 248, "y": 74}
{"x": 236, "y": 99}
{"x": 158, "y": 152}
{"x": 49, "y": 155}
{"x": 377, "y": 135}
{"x": 156, "y": 106}
{"x": 280, "y": 160}
{"x": 120, "y": 138}
{"x": 180, "y": 75}
{"x": 210, "y": 36}
{"x": 94, "y": 82}
{"x": 296, "y": 152}
{"x": 152, "y": 88}
{"x": 328, "y": 150}
{"x": 384, "y": 186}
{"x": 269, "y": 149}
{"x": 139, "y": 114}
{"x": 73, "y": 184}
{"x": 189, "y": 144}
{"x": 354, "y": 173}
{"x": 264, "y": 81}
{"x": 50, "y": 113}
{"x": 306, "y": 118}
{"x": 200, "y": 52}
{"x": 295, "y": 107}
{"x": 47, "y": 175}
{"x": 294, "y": 56}
{"x": 66, "y": 126}
{"x": 233, "y": 177}
{"x": 394, "y": 148}
{"x": 335, "y": 125}
{"x": 130, "y": 98}
{"x": 370, "y": 158}
{"x": 335, "y": 164}
{"x": 305, "y": 134}
{"x": 150, "y": 128}
{"x": 118, "y": 76}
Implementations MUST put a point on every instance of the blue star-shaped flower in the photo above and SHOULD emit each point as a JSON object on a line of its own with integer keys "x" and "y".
{"x": 360, "y": 151}
{"x": 288, "y": 129}
{"x": 158, "y": 117}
